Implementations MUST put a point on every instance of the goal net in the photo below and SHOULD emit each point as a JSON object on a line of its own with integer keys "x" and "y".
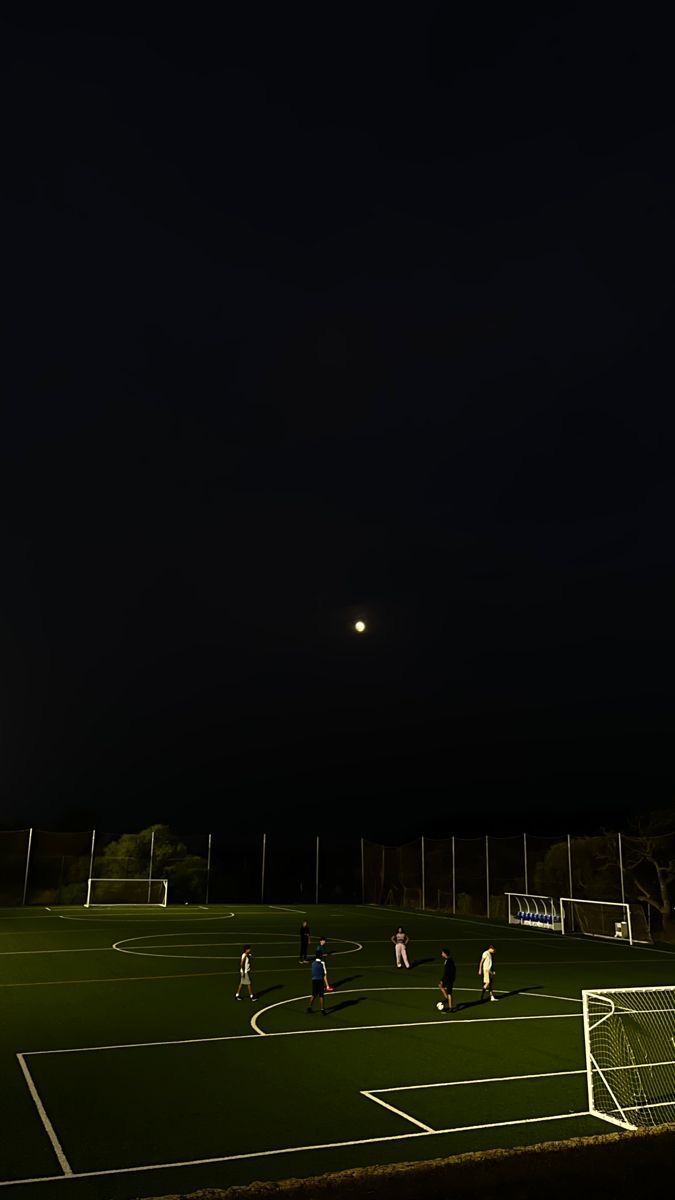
{"x": 630, "y": 1056}
{"x": 145, "y": 892}
{"x": 604, "y": 918}
{"x": 534, "y": 912}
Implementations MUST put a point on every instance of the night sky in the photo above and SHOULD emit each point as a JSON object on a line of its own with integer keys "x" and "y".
{"x": 311, "y": 314}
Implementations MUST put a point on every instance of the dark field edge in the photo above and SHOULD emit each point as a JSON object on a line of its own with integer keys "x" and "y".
{"x": 609, "y": 1165}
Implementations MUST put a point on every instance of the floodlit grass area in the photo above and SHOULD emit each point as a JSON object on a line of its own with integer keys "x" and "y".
{"x": 128, "y": 1066}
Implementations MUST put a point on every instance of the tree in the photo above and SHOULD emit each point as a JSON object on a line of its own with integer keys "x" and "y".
{"x": 649, "y": 865}
{"x": 129, "y": 858}
{"x": 595, "y": 874}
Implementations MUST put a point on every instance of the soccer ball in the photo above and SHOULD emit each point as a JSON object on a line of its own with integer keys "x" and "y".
{"x": 440, "y": 1006}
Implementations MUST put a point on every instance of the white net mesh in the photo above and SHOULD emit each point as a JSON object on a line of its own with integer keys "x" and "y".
{"x": 606, "y": 918}
{"x": 630, "y": 1050}
{"x": 127, "y": 891}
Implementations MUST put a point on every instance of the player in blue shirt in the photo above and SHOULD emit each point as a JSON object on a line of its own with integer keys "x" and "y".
{"x": 318, "y": 984}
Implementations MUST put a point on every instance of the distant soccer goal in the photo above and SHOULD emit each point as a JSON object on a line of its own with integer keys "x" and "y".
{"x": 534, "y": 912}
{"x": 630, "y": 1065}
{"x": 605, "y": 919}
{"x": 143, "y": 893}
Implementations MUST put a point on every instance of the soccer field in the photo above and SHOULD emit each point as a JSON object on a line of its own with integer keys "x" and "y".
{"x": 129, "y": 1068}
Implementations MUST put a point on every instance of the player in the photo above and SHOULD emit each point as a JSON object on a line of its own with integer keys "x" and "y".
{"x": 322, "y": 952}
{"x": 400, "y": 940}
{"x": 305, "y": 935}
{"x": 447, "y": 983}
{"x": 245, "y": 965}
{"x": 318, "y": 984}
{"x": 487, "y": 972}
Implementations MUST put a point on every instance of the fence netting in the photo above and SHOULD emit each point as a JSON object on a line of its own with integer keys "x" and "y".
{"x": 462, "y": 875}
{"x": 439, "y": 889}
{"x": 59, "y": 867}
{"x": 506, "y": 858}
{"x": 470, "y": 877}
{"x": 13, "y": 856}
{"x": 339, "y": 870}
{"x": 393, "y": 874}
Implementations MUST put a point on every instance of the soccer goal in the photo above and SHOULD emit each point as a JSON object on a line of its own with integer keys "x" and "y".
{"x": 130, "y": 892}
{"x": 630, "y": 1064}
{"x": 605, "y": 919}
{"x": 534, "y": 912}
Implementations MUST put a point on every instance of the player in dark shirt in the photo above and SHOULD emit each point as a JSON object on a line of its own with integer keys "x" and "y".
{"x": 447, "y": 983}
{"x": 304, "y": 941}
{"x": 318, "y": 985}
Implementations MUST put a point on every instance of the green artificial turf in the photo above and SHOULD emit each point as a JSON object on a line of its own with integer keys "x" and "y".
{"x": 159, "y": 1065}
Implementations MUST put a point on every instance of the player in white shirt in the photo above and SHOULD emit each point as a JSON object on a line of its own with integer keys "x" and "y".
{"x": 486, "y": 970}
{"x": 245, "y": 965}
{"x": 400, "y": 940}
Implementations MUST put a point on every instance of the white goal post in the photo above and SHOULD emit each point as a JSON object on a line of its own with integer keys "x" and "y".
{"x": 629, "y": 1035}
{"x": 534, "y": 912}
{"x": 131, "y": 893}
{"x": 605, "y": 919}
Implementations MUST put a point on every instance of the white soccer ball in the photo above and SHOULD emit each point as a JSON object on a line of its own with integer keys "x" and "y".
{"x": 440, "y": 1006}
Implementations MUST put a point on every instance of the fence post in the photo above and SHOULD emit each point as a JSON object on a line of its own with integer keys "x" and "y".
{"x": 262, "y": 872}
{"x": 527, "y": 885}
{"x": 316, "y": 886}
{"x": 454, "y": 898}
{"x": 363, "y": 876}
{"x": 423, "y": 878}
{"x": 152, "y": 855}
{"x": 25, "y": 878}
{"x": 91, "y": 856}
{"x": 487, "y": 877}
{"x": 208, "y": 870}
{"x": 623, "y": 889}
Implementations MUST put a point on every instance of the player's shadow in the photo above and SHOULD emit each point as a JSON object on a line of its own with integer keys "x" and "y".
{"x": 274, "y": 987}
{"x": 535, "y": 987}
{"x": 500, "y": 996}
{"x": 420, "y": 962}
{"x": 348, "y": 979}
{"x": 344, "y": 1004}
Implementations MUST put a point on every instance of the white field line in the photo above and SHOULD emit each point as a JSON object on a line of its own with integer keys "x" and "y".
{"x": 113, "y": 979}
{"x": 49, "y": 1128}
{"x": 239, "y": 1037}
{"x": 420, "y": 1087}
{"x": 284, "y": 908}
{"x": 401, "y": 1024}
{"x": 70, "y": 950}
{"x": 242, "y": 1037}
{"x": 399, "y": 1112}
{"x": 208, "y": 946}
{"x": 485, "y": 924}
{"x": 122, "y": 946}
{"x": 126, "y": 919}
{"x": 200, "y": 1162}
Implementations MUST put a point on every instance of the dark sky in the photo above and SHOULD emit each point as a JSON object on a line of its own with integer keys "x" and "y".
{"x": 317, "y": 313}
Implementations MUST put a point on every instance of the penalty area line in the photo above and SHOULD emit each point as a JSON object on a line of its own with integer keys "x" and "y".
{"x": 49, "y": 1128}
{"x": 225, "y": 1158}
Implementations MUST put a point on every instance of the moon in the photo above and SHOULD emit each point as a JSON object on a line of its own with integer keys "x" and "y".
{"x": 360, "y": 626}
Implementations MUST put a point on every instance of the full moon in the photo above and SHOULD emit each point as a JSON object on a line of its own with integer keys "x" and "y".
{"x": 360, "y": 626}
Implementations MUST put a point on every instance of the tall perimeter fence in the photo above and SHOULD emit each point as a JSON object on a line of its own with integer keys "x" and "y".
{"x": 467, "y": 876}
